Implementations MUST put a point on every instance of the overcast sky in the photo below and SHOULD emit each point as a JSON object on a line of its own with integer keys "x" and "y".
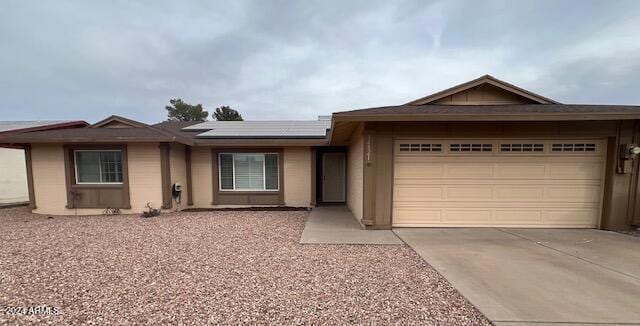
{"x": 299, "y": 59}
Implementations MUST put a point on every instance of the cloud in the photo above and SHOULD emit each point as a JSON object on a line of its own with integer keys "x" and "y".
{"x": 295, "y": 60}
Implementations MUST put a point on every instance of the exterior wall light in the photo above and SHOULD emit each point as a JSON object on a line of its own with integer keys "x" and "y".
{"x": 628, "y": 152}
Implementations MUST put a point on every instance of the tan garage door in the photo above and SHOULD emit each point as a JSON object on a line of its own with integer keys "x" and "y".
{"x": 506, "y": 182}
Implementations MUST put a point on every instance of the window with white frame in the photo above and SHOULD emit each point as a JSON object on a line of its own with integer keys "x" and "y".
{"x": 248, "y": 171}
{"x": 98, "y": 166}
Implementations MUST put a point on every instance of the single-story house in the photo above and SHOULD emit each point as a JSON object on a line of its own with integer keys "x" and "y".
{"x": 13, "y": 170}
{"x": 483, "y": 153}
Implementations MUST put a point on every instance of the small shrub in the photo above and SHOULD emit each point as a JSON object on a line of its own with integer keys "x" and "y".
{"x": 151, "y": 212}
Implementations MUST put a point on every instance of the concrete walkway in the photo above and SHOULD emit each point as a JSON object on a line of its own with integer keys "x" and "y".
{"x": 336, "y": 225}
{"x": 538, "y": 276}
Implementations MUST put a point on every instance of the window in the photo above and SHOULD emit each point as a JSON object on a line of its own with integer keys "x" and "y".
{"x": 573, "y": 147}
{"x": 420, "y": 147}
{"x": 248, "y": 172}
{"x": 521, "y": 147}
{"x": 97, "y": 166}
{"x": 470, "y": 147}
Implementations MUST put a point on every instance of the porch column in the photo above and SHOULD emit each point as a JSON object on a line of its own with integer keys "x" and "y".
{"x": 378, "y": 177}
{"x": 30, "y": 188}
{"x": 165, "y": 171}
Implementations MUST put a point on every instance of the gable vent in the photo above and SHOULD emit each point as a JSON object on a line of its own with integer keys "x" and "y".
{"x": 470, "y": 147}
{"x": 573, "y": 147}
{"x": 521, "y": 147}
{"x": 421, "y": 147}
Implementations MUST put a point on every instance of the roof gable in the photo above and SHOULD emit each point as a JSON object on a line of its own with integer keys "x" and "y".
{"x": 486, "y": 90}
{"x": 115, "y": 121}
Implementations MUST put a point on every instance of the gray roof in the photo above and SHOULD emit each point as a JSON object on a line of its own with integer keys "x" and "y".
{"x": 18, "y": 125}
{"x": 262, "y": 129}
{"x": 508, "y": 112}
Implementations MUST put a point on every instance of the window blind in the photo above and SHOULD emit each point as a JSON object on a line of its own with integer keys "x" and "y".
{"x": 226, "y": 171}
{"x": 249, "y": 172}
{"x": 98, "y": 166}
{"x": 271, "y": 171}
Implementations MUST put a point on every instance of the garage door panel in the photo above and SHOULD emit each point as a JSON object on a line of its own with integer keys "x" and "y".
{"x": 494, "y": 204}
{"x": 574, "y": 194}
{"x": 517, "y": 170}
{"x": 567, "y": 171}
{"x": 497, "y": 217}
{"x": 559, "y": 186}
{"x": 517, "y": 217}
{"x": 570, "y": 217}
{"x": 518, "y": 193}
{"x": 497, "y": 194}
{"x": 457, "y": 170}
{"x": 417, "y": 215}
{"x": 575, "y": 170}
{"x": 470, "y": 193}
{"x": 418, "y": 193}
{"x": 412, "y": 171}
{"x": 495, "y": 181}
{"x": 466, "y": 216}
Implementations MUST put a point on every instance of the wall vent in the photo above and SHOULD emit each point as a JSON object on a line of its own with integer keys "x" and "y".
{"x": 470, "y": 147}
{"x": 573, "y": 147}
{"x": 421, "y": 147}
{"x": 521, "y": 147}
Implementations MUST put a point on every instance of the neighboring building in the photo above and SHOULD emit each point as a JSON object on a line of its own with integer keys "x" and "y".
{"x": 13, "y": 172}
{"x": 483, "y": 153}
{"x": 13, "y": 178}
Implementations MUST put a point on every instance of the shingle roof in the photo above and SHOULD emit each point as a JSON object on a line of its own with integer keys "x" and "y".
{"x": 176, "y": 128}
{"x": 179, "y": 131}
{"x": 25, "y": 126}
{"x": 89, "y": 135}
{"x": 512, "y": 112}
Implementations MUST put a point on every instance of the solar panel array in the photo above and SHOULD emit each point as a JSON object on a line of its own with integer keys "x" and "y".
{"x": 262, "y": 129}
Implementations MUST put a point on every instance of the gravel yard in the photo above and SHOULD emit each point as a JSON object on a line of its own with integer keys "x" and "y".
{"x": 212, "y": 267}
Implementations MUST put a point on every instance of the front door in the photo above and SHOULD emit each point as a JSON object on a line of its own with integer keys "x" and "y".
{"x": 333, "y": 177}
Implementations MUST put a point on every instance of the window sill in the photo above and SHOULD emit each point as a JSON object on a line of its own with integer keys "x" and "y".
{"x": 96, "y": 207}
{"x": 248, "y": 192}
{"x": 97, "y": 185}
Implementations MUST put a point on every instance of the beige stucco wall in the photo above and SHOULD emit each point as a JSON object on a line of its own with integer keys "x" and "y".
{"x": 145, "y": 181}
{"x": 297, "y": 176}
{"x": 179, "y": 173}
{"x": 50, "y": 187}
{"x": 355, "y": 171}
{"x": 201, "y": 176}
{"x": 49, "y": 179}
{"x": 13, "y": 176}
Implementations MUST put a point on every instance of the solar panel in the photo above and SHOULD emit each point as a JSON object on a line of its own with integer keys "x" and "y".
{"x": 271, "y": 129}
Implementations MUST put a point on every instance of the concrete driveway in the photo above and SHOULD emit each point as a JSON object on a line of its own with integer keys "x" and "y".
{"x": 519, "y": 276}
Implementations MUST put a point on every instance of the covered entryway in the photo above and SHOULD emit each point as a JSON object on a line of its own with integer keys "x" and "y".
{"x": 333, "y": 177}
{"x": 330, "y": 166}
{"x": 498, "y": 182}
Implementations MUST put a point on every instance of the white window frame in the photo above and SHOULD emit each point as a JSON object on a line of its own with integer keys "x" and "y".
{"x": 75, "y": 165}
{"x": 264, "y": 174}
